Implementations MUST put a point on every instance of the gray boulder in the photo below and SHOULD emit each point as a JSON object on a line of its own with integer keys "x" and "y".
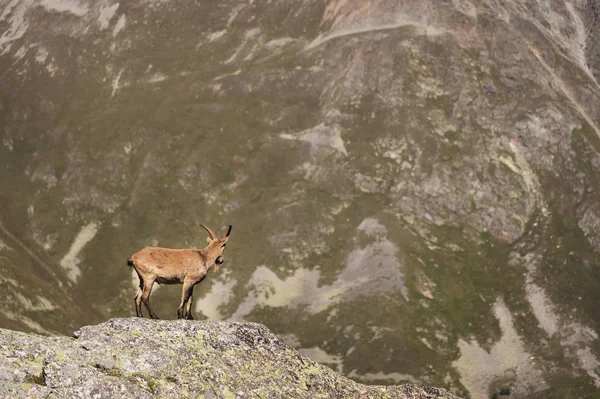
{"x": 174, "y": 359}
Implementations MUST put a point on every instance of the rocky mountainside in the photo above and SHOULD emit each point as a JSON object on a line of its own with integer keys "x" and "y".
{"x": 133, "y": 358}
{"x": 413, "y": 185}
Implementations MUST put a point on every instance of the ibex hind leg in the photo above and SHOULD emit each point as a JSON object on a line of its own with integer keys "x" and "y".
{"x": 138, "y": 298}
{"x": 146, "y": 297}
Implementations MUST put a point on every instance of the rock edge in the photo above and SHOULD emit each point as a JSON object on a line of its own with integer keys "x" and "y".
{"x": 143, "y": 358}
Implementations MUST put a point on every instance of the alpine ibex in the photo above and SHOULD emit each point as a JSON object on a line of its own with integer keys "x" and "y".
{"x": 176, "y": 266}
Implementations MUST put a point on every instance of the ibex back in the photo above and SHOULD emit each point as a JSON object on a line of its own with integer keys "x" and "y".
{"x": 176, "y": 266}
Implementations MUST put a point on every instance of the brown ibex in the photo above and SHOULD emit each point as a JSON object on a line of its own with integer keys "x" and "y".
{"x": 176, "y": 266}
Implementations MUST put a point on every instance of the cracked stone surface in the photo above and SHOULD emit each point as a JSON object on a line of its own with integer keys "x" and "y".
{"x": 134, "y": 358}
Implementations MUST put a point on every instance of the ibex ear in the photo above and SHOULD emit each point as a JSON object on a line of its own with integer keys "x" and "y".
{"x": 208, "y": 240}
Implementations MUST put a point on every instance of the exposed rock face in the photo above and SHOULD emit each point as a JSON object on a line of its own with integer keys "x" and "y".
{"x": 136, "y": 358}
{"x": 419, "y": 179}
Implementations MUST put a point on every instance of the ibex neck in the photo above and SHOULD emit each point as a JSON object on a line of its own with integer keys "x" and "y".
{"x": 207, "y": 257}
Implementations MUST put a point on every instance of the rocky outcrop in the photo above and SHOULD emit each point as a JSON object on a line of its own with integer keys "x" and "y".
{"x": 141, "y": 358}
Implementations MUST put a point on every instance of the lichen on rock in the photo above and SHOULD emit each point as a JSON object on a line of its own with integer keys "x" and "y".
{"x": 142, "y": 358}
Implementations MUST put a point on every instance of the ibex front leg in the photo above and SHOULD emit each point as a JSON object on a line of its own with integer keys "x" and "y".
{"x": 186, "y": 293}
{"x": 188, "y": 306}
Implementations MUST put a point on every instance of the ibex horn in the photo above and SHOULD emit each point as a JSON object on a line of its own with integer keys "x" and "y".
{"x": 212, "y": 233}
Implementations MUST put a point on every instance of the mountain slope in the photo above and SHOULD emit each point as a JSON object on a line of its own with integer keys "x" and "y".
{"x": 413, "y": 185}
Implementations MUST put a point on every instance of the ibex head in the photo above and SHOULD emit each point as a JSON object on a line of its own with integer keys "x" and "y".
{"x": 217, "y": 245}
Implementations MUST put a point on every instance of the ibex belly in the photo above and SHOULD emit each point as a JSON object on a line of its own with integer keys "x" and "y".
{"x": 169, "y": 280}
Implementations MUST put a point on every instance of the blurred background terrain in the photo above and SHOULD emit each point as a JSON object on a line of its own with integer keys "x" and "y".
{"x": 413, "y": 185}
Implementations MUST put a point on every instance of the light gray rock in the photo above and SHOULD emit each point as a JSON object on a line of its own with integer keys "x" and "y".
{"x": 140, "y": 358}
